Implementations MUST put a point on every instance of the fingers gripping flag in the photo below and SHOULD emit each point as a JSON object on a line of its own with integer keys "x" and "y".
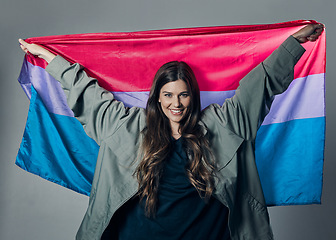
{"x": 290, "y": 142}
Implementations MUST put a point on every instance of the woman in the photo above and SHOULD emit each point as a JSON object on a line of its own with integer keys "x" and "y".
{"x": 172, "y": 171}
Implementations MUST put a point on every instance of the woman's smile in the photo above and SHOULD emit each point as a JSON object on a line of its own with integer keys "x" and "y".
{"x": 176, "y": 111}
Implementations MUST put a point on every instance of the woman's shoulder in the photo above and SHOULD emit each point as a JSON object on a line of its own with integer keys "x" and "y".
{"x": 133, "y": 115}
{"x": 210, "y": 111}
{"x": 209, "y": 116}
{"x": 130, "y": 123}
{"x": 216, "y": 120}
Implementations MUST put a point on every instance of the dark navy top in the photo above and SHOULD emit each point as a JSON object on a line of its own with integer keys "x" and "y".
{"x": 181, "y": 213}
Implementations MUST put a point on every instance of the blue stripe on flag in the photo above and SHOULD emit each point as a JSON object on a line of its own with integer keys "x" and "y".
{"x": 296, "y": 176}
{"x": 56, "y": 148}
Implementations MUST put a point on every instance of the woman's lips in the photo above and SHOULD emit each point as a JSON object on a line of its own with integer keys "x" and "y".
{"x": 176, "y": 111}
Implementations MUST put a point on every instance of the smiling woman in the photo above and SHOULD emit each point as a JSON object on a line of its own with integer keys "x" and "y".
{"x": 173, "y": 110}
{"x": 183, "y": 189}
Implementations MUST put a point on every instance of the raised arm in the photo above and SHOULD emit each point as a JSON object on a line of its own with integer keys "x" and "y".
{"x": 96, "y": 109}
{"x": 244, "y": 112}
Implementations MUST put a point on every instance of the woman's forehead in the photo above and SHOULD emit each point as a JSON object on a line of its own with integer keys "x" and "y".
{"x": 175, "y": 86}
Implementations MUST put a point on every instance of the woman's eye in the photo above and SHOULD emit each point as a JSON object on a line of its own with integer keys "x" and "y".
{"x": 184, "y": 95}
{"x": 168, "y": 95}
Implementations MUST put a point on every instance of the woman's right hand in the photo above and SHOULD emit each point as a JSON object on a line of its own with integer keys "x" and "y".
{"x": 36, "y": 50}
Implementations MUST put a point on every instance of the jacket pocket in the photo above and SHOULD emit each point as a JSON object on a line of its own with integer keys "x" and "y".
{"x": 254, "y": 203}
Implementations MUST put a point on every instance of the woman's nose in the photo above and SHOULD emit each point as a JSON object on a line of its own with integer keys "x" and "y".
{"x": 177, "y": 102}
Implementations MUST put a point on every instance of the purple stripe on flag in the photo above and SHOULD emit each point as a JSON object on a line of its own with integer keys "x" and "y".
{"x": 47, "y": 87}
{"x": 24, "y": 78}
{"x": 210, "y": 97}
{"x": 303, "y": 99}
{"x": 132, "y": 99}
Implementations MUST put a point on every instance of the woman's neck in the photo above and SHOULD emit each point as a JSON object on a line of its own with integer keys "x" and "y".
{"x": 175, "y": 128}
{"x": 176, "y": 136}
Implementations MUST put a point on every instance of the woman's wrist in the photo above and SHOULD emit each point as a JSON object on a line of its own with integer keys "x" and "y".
{"x": 48, "y": 56}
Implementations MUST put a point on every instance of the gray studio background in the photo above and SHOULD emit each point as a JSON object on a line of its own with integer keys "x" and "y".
{"x": 34, "y": 209}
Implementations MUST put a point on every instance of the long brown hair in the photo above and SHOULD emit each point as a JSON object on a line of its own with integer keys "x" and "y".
{"x": 157, "y": 139}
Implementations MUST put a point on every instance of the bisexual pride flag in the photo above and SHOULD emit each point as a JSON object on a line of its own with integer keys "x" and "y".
{"x": 290, "y": 142}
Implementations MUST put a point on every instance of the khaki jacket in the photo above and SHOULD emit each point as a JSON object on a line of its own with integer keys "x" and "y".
{"x": 231, "y": 129}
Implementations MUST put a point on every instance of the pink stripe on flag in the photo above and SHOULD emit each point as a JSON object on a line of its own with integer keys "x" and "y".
{"x": 127, "y": 62}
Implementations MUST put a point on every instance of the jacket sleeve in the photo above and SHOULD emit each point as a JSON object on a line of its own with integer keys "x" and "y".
{"x": 245, "y": 111}
{"x": 96, "y": 109}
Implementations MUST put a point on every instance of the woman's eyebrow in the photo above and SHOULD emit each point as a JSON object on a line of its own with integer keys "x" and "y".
{"x": 183, "y": 92}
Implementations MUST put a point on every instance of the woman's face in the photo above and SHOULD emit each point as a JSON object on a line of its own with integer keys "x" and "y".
{"x": 175, "y": 100}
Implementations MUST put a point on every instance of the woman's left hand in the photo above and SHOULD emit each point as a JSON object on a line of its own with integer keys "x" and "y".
{"x": 310, "y": 33}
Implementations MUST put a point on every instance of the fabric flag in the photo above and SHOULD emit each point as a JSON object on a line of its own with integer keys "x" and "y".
{"x": 290, "y": 142}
